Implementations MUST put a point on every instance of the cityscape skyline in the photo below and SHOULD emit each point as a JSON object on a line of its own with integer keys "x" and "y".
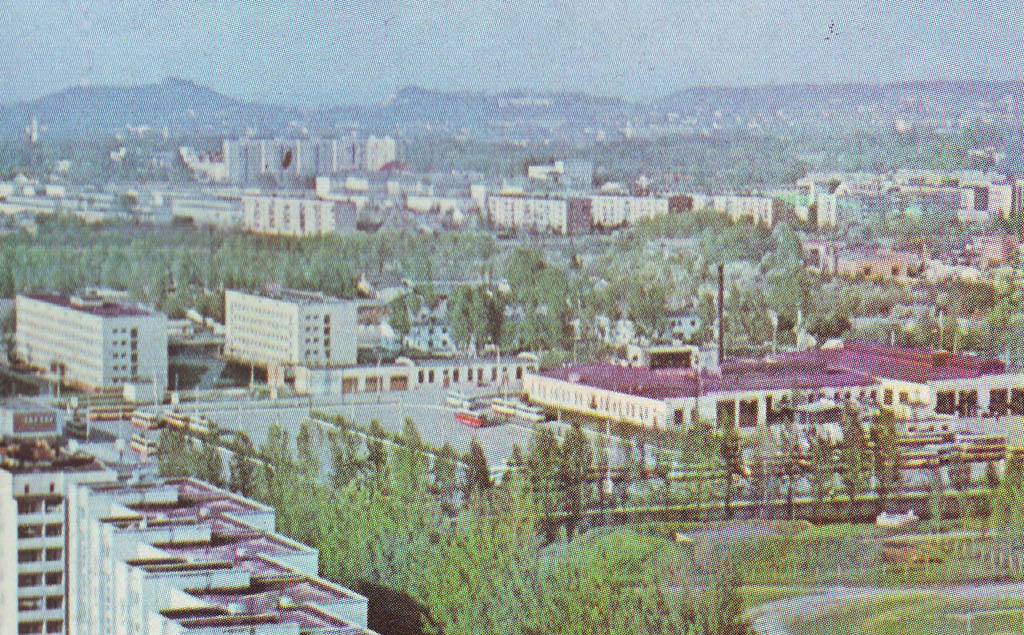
{"x": 628, "y": 49}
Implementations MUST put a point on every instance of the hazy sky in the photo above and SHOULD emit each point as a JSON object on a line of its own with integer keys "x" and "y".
{"x": 358, "y": 51}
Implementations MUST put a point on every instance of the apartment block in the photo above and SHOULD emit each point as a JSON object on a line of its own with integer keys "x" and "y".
{"x": 291, "y": 216}
{"x": 35, "y": 482}
{"x": 181, "y": 556}
{"x": 609, "y": 211}
{"x": 539, "y": 213}
{"x": 91, "y": 341}
{"x": 277, "y": 162}
{"x": 286, "y": 327}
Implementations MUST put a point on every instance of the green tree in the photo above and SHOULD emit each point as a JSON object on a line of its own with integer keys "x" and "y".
{"x": 347, "y": 461}
{"x": 822, "y": 472}
{"x": 411, "y": 460}
{"x": 542, "y": 471}
{"x": 732, "y": 462}
{"x": 175, "y": 454}
{"x": 853, "y": 457}
{"x": 446, "y": 472}
{"x": 886, "y": 456}
{"x": 577, "y": 463}
{"x": 242, "y": 467}
{"x": 478, "y": 474}
{"x": 305, "y": 448}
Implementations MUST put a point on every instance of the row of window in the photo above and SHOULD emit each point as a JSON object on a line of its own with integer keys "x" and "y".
{"x": 36, "y": 506}
{"x": 35, "y": 603}
{"x": 52, "y": 578}
{"x": 36, "y": 531}
{"x": 35, "y": 555}
{"x": 30, "y": 628}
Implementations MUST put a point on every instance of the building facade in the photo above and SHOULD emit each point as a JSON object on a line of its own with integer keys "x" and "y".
{"x": 35, "y": 483}
{"x": 90, "y": 341}
{"x": 291, "y": 216}
{"x": 554, "y": 214}
{"x": 277, "y": 162}
{"x": 285, "y": 327}
{"x": 609, "y": 210}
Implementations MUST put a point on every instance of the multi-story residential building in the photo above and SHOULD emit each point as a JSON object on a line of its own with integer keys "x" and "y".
{"x": 35, "y": 482}
{"x": 609, "y": 210}
{"x": 207, "y": 212}
{"x": 182, "y": 556}
{"x": 757, "y": 209}
{"x": 296, "y": 161}
{"x": 988, "y": 198}
{"x": 542, "y": 213}
{"x": 380, "y": 151}
{"x": 91, "y": 341}
{"x": 290, "y": 216}
{"x": 286, "y": 327}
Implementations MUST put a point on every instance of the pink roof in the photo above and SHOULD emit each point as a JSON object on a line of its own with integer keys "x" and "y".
{"x": 856, "y": 364}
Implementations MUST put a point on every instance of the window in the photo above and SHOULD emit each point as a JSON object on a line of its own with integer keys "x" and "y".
{"x": 30, "y": 579}
{"x": 54, "y": 553}
{"x": 30, "y": 531}
{"x": 29, "y": 507}
{"x": 27, "y": 628}
{"x": 54, "y": 530}
{"x": 55, "y": 602}
{"x": 54, "y": 577}
{"x": 55, "y": 626}
{"x": 29, "y": 555}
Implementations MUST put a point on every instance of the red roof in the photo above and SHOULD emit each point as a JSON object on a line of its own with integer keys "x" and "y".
{"x": 856, "y": 364}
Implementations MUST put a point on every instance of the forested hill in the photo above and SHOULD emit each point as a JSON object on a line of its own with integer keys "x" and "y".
{"x": 184, "y": 106}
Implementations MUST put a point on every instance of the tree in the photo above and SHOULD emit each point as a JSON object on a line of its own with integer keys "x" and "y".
{"x": 576, "y": 465}
{"x": 446, "y": 472}
{"x": 175, "y": 454}
{"x": 729, "y": 452}
{"x": 886, "y": 455}
{"x": 478, "y": 474}
{"x": 788, "y": 462}
{"x": 309, "y": 462}
{"x": 376, "y": 454}
{"x": 542, "y": 470}
{"x": 346, "y": 458}
{"x": 412, "y": 462}
{"x": 242, "y": 467}
{"x": 823, "y": 466}
{"x": 853, "y": 457}
{"x": 936, "y": 498}
{"x": 210, "y": 464}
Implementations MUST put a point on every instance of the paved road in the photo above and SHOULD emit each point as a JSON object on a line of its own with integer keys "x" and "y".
{"x": 773, "y": 618}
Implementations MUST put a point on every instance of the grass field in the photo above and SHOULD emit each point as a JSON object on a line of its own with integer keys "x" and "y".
{"x": 914, "y": 614}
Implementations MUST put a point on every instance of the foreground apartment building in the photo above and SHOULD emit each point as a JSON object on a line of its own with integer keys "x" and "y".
{"x": 92, "y": 341}
{"x": 84, "y": 553}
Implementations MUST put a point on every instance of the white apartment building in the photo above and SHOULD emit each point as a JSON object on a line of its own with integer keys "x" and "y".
{"x": 34, "y": 487}
{"x": 540, "y": 213}
{"x": 379, "y": 152}
{"x": 91, "y": 341}
{"x": 617, "y": 210}
{"x": 288, "y": 216}
{"x": 286, "y": 327}
{"x": 758, "y": 209}
{"x": 528, "y": 212}
{"x": 181, "y": 556}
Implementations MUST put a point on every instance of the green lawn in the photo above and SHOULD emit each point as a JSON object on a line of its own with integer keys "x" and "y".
{"x": 914, "y": 614}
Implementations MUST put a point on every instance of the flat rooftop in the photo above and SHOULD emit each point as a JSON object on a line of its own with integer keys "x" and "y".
{"x": 855, "y": 364}
{"x": 40, "y": 456}
{"x": 274, "y": 594}
{"x": 92, "y": 305}
{"x": 296, "y": 296}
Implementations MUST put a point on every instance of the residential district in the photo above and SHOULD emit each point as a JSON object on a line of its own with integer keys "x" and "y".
{"x": 281, "y": 382}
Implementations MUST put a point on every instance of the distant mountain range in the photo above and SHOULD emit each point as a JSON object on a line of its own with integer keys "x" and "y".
{"x": 184, "y": 106}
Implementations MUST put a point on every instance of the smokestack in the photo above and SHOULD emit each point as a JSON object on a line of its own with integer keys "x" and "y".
{"x": 721, "y": 313}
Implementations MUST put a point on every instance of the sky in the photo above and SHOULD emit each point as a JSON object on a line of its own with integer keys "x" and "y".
{"x": 312, "y": 52}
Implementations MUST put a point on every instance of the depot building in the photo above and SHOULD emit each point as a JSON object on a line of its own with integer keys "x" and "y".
{"x": 668, "y": 391}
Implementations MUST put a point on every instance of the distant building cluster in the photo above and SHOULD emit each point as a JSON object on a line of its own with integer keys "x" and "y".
{"x": 293, "y": 216}
{"x": 290, "y": 162}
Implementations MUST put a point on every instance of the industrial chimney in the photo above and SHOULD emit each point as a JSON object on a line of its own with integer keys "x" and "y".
{"x": 721, "y": 313}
